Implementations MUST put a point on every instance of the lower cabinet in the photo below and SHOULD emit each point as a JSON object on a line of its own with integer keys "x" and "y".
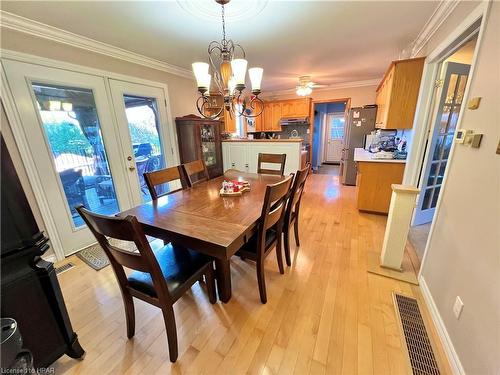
{"x": 373, "y": 184}
{"x": 243, "y": 155}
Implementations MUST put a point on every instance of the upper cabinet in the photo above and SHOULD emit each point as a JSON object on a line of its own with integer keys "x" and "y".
{"x": 276, "y": 110}
{"x": 397, "y": 94}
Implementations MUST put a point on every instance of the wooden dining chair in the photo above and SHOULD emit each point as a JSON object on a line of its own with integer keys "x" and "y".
{"x": 269, "y": 232}
{"x": 195, "y": 172}
{"x": 271, "y": 159}
{"x": 292, "y": 210}
{"x": 160, "y": 277}
{"x": 164, "y": 176}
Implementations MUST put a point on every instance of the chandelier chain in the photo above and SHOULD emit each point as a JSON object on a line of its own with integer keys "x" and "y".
{"x": 223, "y": 24}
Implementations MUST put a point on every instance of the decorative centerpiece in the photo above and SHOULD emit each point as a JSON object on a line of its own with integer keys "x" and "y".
{"x": 234, "y": 188}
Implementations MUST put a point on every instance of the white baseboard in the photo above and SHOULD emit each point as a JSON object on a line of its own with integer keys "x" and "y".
{"x": 456, "y": 365}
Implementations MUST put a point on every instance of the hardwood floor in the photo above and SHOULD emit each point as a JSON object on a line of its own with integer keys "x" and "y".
{"x": 326, "y": 315}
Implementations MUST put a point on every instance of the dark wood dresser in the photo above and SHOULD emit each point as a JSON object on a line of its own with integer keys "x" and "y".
{"x": 199, "y": 138}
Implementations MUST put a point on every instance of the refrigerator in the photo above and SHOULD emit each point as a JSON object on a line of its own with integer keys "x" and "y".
{"x": 360, "y": 123}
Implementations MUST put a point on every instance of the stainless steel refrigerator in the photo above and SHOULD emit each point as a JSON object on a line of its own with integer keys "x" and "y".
{"x": 361, "y": 122}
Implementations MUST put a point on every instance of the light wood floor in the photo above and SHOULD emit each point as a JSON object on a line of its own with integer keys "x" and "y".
{"x": 326, "y": 315}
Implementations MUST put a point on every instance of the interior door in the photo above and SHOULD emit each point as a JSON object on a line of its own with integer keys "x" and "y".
{"x": 441, "y": 138}
{"x": 145, "y": 133}
{"x": 334, "y": 137}
{"x": 68, "y": 126}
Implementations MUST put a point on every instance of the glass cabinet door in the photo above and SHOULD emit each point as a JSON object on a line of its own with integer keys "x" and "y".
{"x": 208, "y": 144}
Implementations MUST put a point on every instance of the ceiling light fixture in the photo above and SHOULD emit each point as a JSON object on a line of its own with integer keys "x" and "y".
{"x": 305, "y": 86}
{"x": 228, "y": 73}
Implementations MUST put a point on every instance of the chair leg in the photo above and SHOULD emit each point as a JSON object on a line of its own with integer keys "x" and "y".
{"x": 296, "y": 230}
{"x": 286, "y": 235}
{"x": 262, "y": 281}
{"x": 279, "y": 256}
{"x": 169, "y": 318}
{"x": 210, "y": 281}
{"x": 128, "y": 303}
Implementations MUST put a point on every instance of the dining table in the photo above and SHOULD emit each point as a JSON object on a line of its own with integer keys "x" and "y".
{"x": 200, "y": 219}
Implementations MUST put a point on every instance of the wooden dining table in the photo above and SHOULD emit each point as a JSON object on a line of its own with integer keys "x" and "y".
{"x": 200, "y": 219}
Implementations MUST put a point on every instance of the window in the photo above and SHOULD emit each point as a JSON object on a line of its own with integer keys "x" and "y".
{"x": 337, "y": 122}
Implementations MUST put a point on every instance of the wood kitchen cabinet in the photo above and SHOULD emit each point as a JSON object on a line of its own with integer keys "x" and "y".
{"x": 275, "y": 110}
{"x": 397, "y": 94}
{"x": 259, "y": 120}
{"x": 275, "y": 122}
{"x": 199, "y": 138}
{"x": 373, "y": 184}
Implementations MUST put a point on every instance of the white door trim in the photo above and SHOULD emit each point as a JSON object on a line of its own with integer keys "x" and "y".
{"x": 22, "y": 143}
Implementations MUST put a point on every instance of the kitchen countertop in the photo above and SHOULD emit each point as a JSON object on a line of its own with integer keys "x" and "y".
{"x": 265, "y": 140}
{"x": 360, "y": 154}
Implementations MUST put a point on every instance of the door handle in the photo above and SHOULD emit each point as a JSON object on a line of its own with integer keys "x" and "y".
{"x": 131, "y": 168}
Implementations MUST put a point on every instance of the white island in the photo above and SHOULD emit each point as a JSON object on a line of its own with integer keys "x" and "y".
{"x": 243, "y": 154}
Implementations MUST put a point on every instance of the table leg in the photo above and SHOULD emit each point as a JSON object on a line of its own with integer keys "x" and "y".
{"x": 223, "y": 274}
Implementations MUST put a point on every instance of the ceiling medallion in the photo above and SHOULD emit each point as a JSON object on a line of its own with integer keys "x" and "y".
{"x": 227, "y": 66}
{"x": 239, "y": 10}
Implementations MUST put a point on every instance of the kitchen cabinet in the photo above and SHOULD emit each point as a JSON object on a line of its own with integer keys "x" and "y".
{"x": 397, "y": 94}
{"x": 199, "y": 138}
{"x": 243, "y": 154}
{"x": 259, "y": 120}
{"x": 275, "y": 110}
{"x": 373, "y": 184}
{"x": 276, "y": 117}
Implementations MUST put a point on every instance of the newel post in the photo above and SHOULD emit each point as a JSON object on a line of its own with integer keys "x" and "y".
{"x": 398, "y": 224}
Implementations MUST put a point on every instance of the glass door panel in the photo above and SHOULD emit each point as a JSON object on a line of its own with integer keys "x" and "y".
{"x": 208, "y": 145}
{"x": 71, "y": 125}
{"x": 144, "y": 128}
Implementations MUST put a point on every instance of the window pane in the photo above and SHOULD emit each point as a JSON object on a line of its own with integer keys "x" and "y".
{"x": 450, "y": 93}
{"x": 208, "y": 145}
{"x": 432, "y": 174}
{"x": 461, "y": 89}
{"x": 435, "y": 196}
{"x": 452, "y": 124}
{"x": 144, "y": 127}
{"x": 443, "y": 123}
{"x": 427, "y": 199}
{"x": 438, "y": 148}
{"x": 73, "y": 132}
{"x": 440, "y": 176}
{"x": 447, "y": 146}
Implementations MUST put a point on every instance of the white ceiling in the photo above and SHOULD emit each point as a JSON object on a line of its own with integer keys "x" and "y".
{"x": 333, "y": 41}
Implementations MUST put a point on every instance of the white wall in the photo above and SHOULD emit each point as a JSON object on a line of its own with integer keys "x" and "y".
{"x": 463, "y": 257}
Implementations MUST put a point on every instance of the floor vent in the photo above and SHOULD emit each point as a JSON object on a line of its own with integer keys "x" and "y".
{"x": 64, "y": 268}
{"x": 422, "y": 359}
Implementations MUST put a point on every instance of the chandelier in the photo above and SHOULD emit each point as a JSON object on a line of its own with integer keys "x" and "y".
{"x": 227, "y": 68}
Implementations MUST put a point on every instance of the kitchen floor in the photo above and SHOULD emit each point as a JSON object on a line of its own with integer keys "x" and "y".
{"x": 330, "y": 169}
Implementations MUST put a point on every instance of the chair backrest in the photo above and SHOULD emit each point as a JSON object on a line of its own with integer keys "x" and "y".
{"x": 195, "y": 172}
{"x": 296, "y": 191}
{"x": 273, "y": 210}
{"x": 163, "y": 176}
{"x": 272, "y": 159}
{"x": 125, "y": 229}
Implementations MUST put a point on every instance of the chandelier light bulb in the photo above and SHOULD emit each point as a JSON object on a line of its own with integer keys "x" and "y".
{"x": 255, "y": 77}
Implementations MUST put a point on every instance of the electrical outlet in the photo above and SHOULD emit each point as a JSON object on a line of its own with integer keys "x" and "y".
{"x": 458, "y": 307}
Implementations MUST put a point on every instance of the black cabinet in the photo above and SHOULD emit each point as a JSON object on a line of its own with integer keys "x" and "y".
{"x": 200, "y": 138}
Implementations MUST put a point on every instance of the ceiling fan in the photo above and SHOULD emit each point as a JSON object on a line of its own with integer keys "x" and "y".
{"x": 306, "y": 85}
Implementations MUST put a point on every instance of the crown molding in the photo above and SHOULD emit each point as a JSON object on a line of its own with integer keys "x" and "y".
{"x": 440, "y": 14}
{"x": 334, "y": 86}
{"x": 41, "y": 30}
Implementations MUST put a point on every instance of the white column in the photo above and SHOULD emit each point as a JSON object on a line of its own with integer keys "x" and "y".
{"x": 398, "y": 224}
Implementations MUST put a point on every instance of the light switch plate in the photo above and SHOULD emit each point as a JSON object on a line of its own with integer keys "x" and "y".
{"x": 458, "y": 307}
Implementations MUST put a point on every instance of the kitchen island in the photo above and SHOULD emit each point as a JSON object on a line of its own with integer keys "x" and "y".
{"x": 242, "y": 154}
{"x": 374, "y": 180}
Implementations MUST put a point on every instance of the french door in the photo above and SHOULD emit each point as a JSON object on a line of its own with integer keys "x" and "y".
{"x": 440, "y": 140}
{"x": 88, "y": 147}
{"x": 144, "y": 132}
{"x": 334, "y": 137}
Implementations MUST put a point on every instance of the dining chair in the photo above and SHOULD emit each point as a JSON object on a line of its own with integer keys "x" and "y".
{"x": 292, "y": 210}
{"x": 164, "y": 176}
{"x": 269, "y": 232}
{"x": 271, "y": 159}
{"x": 195, "y": 172}
{"x": 159, "y": 277}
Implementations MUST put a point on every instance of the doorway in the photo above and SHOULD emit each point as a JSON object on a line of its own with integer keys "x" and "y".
{"x": 453, "y": 77}
{"x": 328, "y": 125}
{"x": 88, "y": 148}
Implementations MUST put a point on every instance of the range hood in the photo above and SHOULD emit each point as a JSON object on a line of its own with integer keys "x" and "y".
{"x": 294, "y": 121}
